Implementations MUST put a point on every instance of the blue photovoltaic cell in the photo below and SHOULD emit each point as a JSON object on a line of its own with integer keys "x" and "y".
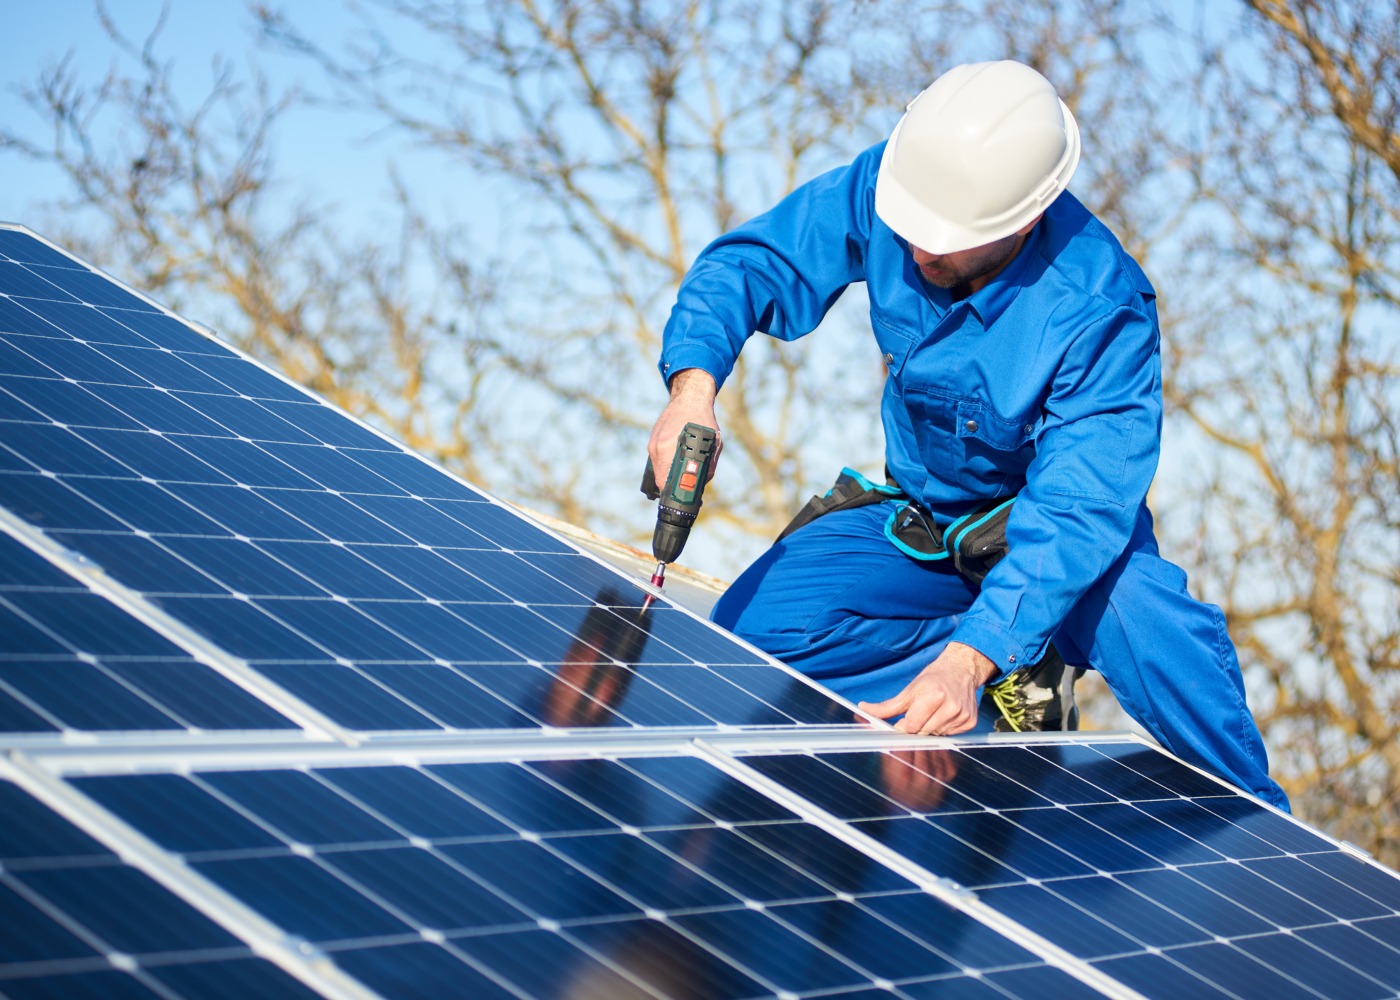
{"x": 368, "y": 583}
{"x": 66, "y": 910}
{"x": 71, "y": 660}
{"x": 367, "y": 860}
{"x": 1124, "y": 858}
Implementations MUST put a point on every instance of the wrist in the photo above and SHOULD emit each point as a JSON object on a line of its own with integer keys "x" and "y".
{"x": 978, "y": 664}
{"x": 693, "y": 384}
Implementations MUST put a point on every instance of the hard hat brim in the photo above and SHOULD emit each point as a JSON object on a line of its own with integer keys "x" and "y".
{"x": 919, "y": 225}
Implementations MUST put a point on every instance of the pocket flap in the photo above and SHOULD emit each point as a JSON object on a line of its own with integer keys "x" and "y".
{"x": 975, "y": 420}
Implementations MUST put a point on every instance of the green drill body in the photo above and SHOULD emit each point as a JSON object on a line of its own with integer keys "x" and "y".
{"x": 680, "y": 499}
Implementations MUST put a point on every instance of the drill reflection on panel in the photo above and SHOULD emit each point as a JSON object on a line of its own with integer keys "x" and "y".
{"x": 598, "y": 667}
{"x": 680, "y": 500}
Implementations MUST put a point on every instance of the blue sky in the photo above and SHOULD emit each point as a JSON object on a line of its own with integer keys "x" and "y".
{"x": 39, "y": 35}
{"x": 333, "y": 157}
{"x": 337, "y": 150}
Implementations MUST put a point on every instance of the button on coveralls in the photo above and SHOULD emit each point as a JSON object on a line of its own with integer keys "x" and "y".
{"x": 1045, "y": 385}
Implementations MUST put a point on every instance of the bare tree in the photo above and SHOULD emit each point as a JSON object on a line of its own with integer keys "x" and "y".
{"x": 1284, "y": 363}
{"x": 616, "y": 139}
{"x": 627, "y": 136}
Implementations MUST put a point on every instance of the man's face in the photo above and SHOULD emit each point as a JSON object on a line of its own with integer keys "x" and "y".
{"x": 962, "y": 269}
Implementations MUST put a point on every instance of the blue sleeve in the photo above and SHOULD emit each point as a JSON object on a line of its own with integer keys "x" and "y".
{"x": 778, "y": 273}
{"x": 1095, "y": 459}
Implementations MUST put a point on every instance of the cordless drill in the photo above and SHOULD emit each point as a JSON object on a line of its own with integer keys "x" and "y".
{"x": 680, "y": 500}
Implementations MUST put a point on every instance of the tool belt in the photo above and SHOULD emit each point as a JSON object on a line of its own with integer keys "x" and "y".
{"x": 975, "y": 542}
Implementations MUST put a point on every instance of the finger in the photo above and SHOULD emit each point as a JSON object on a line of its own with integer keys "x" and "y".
{"x": 719, "y": 447}
{"x": 658, "y": 471}
{"x": 920, "y": 719}
{"x": 944, "y": 719}
{"x": 662, "y": 451}
{"x": 890, "y": 707}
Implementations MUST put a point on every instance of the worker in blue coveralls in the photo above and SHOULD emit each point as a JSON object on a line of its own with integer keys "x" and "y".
{"x": 1021, "y": 344}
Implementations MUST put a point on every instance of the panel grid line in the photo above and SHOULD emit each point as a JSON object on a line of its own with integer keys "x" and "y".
{"x": 314, "y": 722}
{"x": 1270, "y": 911}
{"x": 263, "y": 401}
{"x": 930, "y": 882}
{"x": 284, "y": 610}
{"x": 427, "y": 753}
{"x": 266, "y": 939}
{"x": 331, "y": 860}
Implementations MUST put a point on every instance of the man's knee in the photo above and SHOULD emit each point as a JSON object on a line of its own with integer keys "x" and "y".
{"x": 770, "y": 597}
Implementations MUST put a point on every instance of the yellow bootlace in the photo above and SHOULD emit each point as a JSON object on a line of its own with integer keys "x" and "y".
{"x": 1011, "y": 707}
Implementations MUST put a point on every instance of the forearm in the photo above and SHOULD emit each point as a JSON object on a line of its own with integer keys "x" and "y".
{"x": 1058, "y": 548}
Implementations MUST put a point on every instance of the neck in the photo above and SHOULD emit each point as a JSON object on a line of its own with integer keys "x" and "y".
{"x": 982, "y": 280}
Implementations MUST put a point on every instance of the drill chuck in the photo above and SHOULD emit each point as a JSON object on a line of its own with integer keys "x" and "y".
{"x": 672, "y": 529}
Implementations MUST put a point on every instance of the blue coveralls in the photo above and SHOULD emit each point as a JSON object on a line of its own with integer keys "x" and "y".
{"x": 1045, "y": 384}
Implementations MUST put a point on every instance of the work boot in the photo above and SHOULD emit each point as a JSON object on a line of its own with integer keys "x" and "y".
{"x": 1037, "y": 698}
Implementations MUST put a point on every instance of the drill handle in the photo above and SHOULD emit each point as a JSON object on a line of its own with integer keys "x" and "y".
{"x": 690, "y": 469}
{"x": 689, "y": 472}
{"x": 649, "y": 486}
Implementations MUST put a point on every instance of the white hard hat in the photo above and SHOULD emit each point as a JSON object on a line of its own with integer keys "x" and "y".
{"x": 979, "y": 154}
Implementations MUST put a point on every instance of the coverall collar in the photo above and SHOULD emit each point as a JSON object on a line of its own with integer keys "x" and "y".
{"x": 993, "y": 299}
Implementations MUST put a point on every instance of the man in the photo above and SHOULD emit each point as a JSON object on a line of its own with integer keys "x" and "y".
{"x": 1021, "y": 344}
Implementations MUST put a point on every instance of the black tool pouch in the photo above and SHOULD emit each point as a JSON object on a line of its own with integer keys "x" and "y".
{"x": 851, "y": 490}
{"x": 977, "y": 540}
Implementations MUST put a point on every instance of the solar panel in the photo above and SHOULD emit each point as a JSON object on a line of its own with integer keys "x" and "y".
{"x": 636, "y": 875}
{"x": 372, "y": 588}
{"x": 330, "y": 722}
{"x": 1139, "y": 865}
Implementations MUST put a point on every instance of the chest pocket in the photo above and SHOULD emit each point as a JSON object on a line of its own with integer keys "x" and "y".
{"x": 964, "y": 442}
{"x": 894, "y": 347}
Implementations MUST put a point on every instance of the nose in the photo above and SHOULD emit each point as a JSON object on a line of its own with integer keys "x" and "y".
{"x": 922, "y": 257}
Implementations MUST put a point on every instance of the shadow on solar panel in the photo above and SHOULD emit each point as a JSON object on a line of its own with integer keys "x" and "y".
{"x": 359, "y": 586}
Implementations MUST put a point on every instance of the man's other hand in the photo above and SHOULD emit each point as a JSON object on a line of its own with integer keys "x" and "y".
{"x": 692, "y": 402}
{"x": 942, "y": 700}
